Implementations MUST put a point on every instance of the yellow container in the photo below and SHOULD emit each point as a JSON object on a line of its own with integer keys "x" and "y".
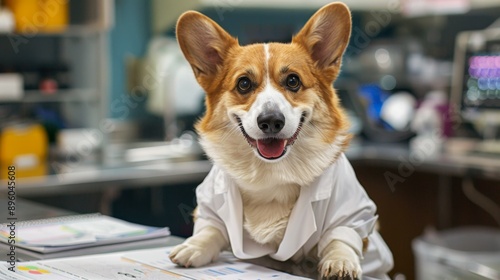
{"x": 34, "y": 16}
{"x": 23, "y": 11}
{"x": 25, "y": 147}
{"x": 57, "y": 12}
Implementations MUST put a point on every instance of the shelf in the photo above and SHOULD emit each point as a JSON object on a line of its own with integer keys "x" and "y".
{"x": 166, "y": 12}
{"x": 71, "y": 31}
{"x": 360, "y": 5}
{"x": 75, "y": 95}
{"x": 297, "y": 4}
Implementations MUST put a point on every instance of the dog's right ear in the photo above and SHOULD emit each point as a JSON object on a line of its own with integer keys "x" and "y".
{"x": 204, "y": 43}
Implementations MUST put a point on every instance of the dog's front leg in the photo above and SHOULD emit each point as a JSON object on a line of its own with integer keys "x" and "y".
{"x": 200, "y": 249}
{"x": 339, "y": 261}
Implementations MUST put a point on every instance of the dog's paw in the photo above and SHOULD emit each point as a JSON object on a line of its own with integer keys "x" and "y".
{"x": 339, "y": 261}
{"x": 340, "y": 269}
{"x": 189, "y": 255}
{"x": 200, "y": 249}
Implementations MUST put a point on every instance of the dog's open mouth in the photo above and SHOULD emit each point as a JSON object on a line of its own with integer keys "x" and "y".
{"x": 271, "y": 148}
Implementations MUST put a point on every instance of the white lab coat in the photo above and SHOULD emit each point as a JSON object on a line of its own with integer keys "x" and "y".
{"x": 334, "y": 207}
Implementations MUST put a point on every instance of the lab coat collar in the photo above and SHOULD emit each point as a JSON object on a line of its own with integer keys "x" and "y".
{"x": 320, "y": 189}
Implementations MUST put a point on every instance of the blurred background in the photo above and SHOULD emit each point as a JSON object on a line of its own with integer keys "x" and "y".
{"x": 97, "y": 107}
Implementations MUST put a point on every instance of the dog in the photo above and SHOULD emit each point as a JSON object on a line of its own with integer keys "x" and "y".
{"x": 280, "y": 185}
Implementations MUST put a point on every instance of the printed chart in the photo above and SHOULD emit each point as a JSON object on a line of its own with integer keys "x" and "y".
{"x": 136, "y": 265}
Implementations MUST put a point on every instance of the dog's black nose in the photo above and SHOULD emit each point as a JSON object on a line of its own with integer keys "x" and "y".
{"x": 271, "y": 122}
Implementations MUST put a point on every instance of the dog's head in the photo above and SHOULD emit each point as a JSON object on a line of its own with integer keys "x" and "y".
{"x": 270, "y": 108}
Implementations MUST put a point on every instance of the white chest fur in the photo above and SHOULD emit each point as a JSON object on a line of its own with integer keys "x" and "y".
{"x": 266, "y": 212}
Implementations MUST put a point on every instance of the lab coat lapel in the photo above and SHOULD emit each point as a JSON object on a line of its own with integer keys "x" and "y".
{"x": 301, "y": 225}
{"x": 231, "y": 212}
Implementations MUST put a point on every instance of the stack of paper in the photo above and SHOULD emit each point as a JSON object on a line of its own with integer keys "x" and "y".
{"x": 79, "y": 231}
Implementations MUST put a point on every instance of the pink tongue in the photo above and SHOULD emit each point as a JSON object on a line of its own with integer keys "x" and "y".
{"x": 271, "y": 148}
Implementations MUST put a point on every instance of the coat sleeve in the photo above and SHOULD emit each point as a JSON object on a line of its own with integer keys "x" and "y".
{"x": 350, "y": 212}
{"x": 206, "y": 211}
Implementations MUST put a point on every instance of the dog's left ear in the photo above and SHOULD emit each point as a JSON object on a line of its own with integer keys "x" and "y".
{"x": 326, "y": 35}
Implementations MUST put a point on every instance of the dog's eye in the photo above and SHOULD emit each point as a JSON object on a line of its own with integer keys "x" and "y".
{"x": 244, "y": 85}
{"x": 293, "y": 82}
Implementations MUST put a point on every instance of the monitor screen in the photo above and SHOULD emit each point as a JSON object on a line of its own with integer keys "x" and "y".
{"x": 481, "y": 81}
{"x": 476, "y": 79}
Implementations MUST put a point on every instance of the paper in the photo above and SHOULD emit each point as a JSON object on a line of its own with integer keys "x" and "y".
{"x": 227, "y": 267}
{"x": 52, "y": 235}
{"x": 77, "y": 231}
{"x": 110, "y": 266}
{"x": 143, "y": 264}
{"x": 107, "y": 227}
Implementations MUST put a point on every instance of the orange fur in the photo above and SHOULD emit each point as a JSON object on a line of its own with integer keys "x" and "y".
{"x": 317, "y": 76}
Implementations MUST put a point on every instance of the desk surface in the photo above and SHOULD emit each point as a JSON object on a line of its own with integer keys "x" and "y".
{"x": 96, "y": 178}
{"x": 28, "y": 210}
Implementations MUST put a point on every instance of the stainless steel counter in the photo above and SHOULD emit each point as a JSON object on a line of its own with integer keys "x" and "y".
{"x": 395, "y": 155}
{"x": 97, "y": 178}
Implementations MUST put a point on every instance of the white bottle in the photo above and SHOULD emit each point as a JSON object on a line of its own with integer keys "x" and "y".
{"x": 7, "y": 22}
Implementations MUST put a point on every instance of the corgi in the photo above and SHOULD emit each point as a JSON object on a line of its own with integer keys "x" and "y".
{"x": 280, "y": 185}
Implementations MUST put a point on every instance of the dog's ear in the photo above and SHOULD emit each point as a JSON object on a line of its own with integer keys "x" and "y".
{"x": 326, "y": 34}
{"x": 203, "y": 42}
